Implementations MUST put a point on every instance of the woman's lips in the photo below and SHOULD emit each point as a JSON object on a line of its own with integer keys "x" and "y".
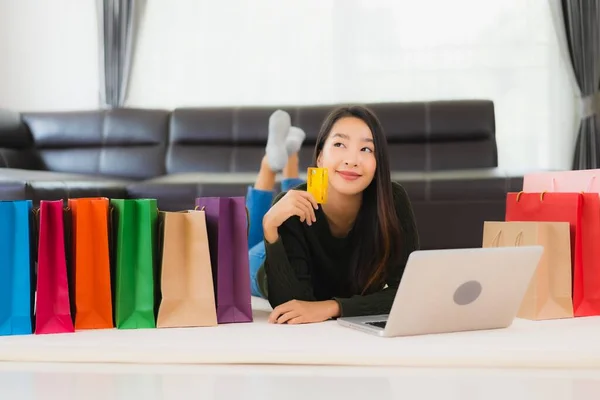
{"x": 349, "y": 176}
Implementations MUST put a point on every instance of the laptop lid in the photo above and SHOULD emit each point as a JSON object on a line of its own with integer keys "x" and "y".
{"x": 462, "y": 289}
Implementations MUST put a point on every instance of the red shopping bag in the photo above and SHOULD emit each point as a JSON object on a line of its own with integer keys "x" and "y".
{"x": 582, "y": 212}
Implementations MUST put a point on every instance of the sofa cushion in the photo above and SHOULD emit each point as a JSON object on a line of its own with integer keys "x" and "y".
{"x": 423, "y": 136}
{"x": 453, "y": 205}
{"x": 127, "y": 143}
{"x": 46, "y": 185}
{"x": 13, "y": 190}
{"x": 44, "y": 190}
{"x": 455, "y": 224}
{"x": 453, "y": 120}
{"x": 416, "y": 121}
{"x": 223, "y": 159}
{"x": 218, "y": 126}
{"x": 8, "y": 174}
{"x": 218, "y": 139}
{"x": 178, "y": 192}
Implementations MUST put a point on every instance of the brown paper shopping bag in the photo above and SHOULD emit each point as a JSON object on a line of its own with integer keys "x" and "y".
{"x": 549, "y": 295}
{"x": 188, "y": 298}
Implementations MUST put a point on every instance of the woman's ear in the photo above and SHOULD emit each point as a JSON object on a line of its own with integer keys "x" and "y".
{"x": 319, "y": 163}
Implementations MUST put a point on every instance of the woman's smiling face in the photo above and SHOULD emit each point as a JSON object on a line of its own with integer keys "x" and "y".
{"x": 349, "y": 156}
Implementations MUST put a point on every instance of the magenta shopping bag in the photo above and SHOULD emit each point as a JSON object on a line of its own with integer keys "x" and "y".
{"x": 227, "y": 226}
{"x": 53, "y": 309}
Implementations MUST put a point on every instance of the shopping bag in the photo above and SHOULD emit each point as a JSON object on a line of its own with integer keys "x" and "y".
{"x": 187, "y": 294}
{"x": 549, "y": 295}
{"x": 582, "y": 212}
{"x": 90, "y": 267}
{"x": 53, "y": 304}
{"x": 134, "y": 225}
{"x": 17, "y": 255}
{"x": 227, "y": 224}
{"x": 577, "y": 181}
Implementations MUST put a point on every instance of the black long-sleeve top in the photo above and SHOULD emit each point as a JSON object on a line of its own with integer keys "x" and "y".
{"x": 309, "y": 263}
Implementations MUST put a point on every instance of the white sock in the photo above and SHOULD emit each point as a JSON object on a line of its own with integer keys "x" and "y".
{"x": 279, "y": 126}
{"x": 294, "y": 140}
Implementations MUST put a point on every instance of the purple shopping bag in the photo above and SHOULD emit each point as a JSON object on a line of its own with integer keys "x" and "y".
{"x": 227, "y": 226}
{"x": 53, "y": 306}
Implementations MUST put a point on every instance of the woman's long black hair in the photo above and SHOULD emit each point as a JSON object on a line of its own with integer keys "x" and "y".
{"x": 377, "y": 234}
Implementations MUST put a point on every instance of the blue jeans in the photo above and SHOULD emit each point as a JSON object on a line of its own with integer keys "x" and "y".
{"x": 258, "y": 203}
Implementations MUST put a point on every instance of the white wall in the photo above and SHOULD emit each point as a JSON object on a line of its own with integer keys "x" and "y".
{"x": 48, "y": 55}
{"x": 257, "y": 52}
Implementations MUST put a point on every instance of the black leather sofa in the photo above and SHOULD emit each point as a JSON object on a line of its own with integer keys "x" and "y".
{"x": 443, "y": 152}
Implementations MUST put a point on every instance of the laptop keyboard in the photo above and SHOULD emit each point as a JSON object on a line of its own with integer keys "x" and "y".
{"x": 379, "y": 324}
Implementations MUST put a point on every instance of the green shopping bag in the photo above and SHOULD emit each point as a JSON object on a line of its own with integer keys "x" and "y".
{"x": 134, "y": 231}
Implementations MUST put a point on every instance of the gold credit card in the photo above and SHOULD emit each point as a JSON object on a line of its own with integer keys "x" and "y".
{"x": 317, "y": 182}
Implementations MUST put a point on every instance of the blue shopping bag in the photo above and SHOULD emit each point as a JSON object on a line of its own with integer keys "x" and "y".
{"x": 17, "y": 245}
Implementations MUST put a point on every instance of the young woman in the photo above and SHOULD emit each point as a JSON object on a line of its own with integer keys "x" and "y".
{"x": 314, "y": 262}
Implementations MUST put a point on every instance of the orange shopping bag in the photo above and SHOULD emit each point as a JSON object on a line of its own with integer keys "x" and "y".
{"x": 91, "y": 263}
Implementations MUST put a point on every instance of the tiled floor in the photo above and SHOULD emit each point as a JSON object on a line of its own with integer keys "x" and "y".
{"x": 161, "y": 382}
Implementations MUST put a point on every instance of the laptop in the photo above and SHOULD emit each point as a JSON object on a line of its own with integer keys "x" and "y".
{"x": 455, "y": 290}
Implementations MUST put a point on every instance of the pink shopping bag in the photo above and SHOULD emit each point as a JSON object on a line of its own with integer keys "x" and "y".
{"x": 53, "y": 309}
{"x": 587, "y": 180}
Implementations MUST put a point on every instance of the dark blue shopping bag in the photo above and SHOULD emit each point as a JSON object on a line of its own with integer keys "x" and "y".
{"x": 17, "y": 246}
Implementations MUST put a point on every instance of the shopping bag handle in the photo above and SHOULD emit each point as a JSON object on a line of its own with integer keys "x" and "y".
{"x": 588, "y": 188}
{"x": 518, "y": 239}
{"x": 541, "y": 195}
{"x": 247, "y": 218}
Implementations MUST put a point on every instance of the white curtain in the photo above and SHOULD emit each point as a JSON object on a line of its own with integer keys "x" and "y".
{"x": 258, "y": 52}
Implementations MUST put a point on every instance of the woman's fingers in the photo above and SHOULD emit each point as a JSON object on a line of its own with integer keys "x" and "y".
{"x": 310, "y": 212}
{"x": 310, "y": 198}
{"x": 287, "y": 316}
{"x": 300, "y": 212}
{"x": 305, "y": 199}
{"x": 280, "y": 310}
{"x": 302, "y": 204}
{"x": 296, "y": 321}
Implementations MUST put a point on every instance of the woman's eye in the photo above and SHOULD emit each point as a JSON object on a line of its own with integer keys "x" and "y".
{"x": 367, "y": 149}
{"x": 338, "y": 144}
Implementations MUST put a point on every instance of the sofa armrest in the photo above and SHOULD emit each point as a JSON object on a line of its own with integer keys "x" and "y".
{"x": 4, "y": 158}
{"x": 13, "y": 132}
{"x": 19, "y": 159}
